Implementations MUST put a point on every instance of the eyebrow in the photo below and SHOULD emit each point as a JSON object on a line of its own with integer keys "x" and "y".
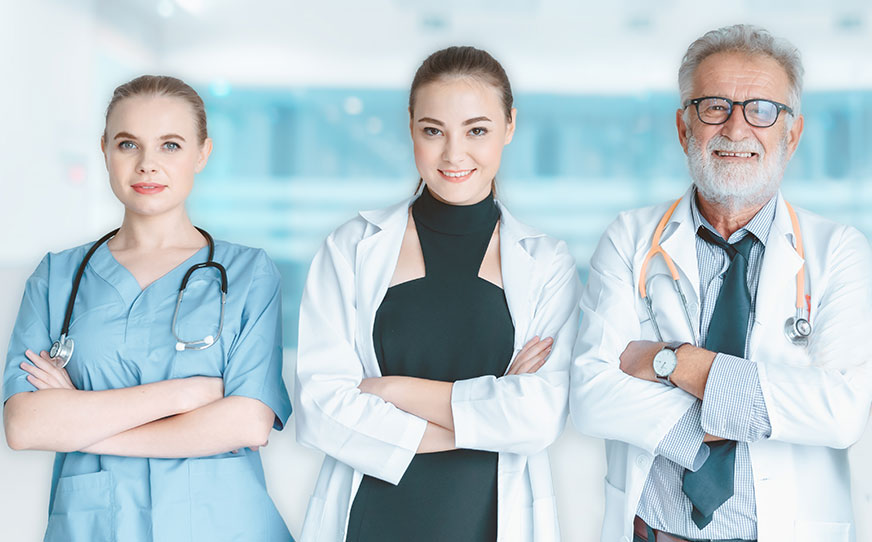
{"x": 125, "y": 135}
{"x": 465, "y": 123}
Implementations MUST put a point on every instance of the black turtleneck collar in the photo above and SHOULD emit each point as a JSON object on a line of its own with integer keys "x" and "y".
{"x": 455, "y": 219}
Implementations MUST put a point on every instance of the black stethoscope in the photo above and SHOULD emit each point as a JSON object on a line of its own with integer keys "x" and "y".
{"x": 63, "y": 347}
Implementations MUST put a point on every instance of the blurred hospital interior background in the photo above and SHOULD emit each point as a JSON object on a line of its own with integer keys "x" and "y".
{"x": 307, "y": 107}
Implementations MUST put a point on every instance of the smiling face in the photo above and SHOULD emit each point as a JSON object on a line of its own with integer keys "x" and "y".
{"x": 459, "y": 129}
{"x": 152, "y": 152}
{"x": 734, "y": 164}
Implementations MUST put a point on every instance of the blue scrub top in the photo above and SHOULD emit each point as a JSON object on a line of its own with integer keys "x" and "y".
{"x": 123, "y": 338}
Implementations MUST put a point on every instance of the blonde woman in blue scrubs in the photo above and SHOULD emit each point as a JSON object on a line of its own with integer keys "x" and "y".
{"x": 155, "y": 441}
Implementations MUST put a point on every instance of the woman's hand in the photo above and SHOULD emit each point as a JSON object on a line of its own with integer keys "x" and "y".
{"x": 532, "y": 357}
{"x": 46, "y": 373}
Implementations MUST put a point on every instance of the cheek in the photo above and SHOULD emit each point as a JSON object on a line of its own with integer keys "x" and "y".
{"x": 490, "y": 153}
{"x": 426, "y": 153}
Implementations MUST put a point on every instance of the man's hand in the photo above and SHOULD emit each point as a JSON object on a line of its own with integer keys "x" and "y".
{"x": 638, "y": 359}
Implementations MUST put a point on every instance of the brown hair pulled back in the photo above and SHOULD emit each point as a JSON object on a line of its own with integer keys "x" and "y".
{"x": 463, "y": 61}
{"x": 162, "y": 85}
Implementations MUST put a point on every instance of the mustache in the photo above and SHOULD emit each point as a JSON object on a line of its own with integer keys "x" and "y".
{"x": 722, "y": 143}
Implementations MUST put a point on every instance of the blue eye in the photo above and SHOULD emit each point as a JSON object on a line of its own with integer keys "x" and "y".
{"x": 171, "y": 146}
{"x": 430, "y": 131}
{"x": 127, "y": 145}
{"x": 478, "y": 131}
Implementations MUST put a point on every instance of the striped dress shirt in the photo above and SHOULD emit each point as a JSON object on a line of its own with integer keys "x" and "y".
{"x": 733, "y": 407}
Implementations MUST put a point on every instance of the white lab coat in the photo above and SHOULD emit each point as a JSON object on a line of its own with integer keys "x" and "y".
{"x": 818, "y": 398}
{"x": 517, "y": 415}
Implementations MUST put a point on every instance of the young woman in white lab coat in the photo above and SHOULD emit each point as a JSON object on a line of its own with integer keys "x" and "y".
{"x": 435, "y": 338}
{"x": 144, "y": 426}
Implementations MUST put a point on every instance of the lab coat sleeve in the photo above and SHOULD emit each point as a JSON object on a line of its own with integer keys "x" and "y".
{"x": 821, "y": 396}
{"x": 525, "y": 413}
{"x": 31, "y": 331}
{"x": 358, "y": 429}
{"x": 604, "y": 401}
{"x": 254, "y": 366}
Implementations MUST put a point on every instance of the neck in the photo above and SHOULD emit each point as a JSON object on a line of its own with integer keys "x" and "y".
{"x": 168, "y": 230}
{"x": 726, "y": 220}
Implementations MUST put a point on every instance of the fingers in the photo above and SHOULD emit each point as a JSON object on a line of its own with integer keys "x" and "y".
{"x": 45, "y": 372}
{"x": 532, "y": 356}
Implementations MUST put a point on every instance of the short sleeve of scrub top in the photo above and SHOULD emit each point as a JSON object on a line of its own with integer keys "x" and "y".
{"x": 254, "y": 367}
{"x": 31, "y": 331}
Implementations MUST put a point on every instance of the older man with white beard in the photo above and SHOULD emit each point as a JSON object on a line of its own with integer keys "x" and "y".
{"x": 722, "y": 353}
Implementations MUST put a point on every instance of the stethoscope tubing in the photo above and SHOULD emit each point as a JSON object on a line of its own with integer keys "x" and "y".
{"x": 63, "y": 347}
{"x": 797, "y": 328}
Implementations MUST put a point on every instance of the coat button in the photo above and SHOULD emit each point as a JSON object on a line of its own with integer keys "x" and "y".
{"x": 642, "y": 462}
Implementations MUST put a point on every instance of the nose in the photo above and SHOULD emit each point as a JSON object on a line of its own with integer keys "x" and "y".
{"x": 147, "y": 164}
{"x": 454, "y": 150}
{"x": 736, "y": 128}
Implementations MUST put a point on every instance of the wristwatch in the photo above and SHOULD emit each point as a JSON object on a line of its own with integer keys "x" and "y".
{"x": 665, "y": 362}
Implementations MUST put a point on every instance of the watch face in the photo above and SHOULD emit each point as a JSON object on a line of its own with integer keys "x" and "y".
{"x": 665, "y": 362}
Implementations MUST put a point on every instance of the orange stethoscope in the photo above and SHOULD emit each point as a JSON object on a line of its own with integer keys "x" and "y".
{"x": 797, "y": 328}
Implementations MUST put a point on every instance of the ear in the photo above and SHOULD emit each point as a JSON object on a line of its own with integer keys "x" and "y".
{"x": 793, "y": 135}
{"x": 683, "y": 129}
{"x": 411, "y": 122}
{"x": 510, "y": 129}
{"x": 103, "y": 150}
{"x": 205, "y": 151}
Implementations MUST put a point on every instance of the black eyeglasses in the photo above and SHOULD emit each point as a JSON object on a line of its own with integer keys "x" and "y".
{"x": 758, "y": 112}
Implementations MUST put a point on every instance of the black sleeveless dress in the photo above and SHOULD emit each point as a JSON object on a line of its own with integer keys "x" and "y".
{"x": 449, "y": 325}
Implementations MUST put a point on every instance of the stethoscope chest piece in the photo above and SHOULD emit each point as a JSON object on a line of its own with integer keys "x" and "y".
{"x": 797, "y": 330}
{"x": 62, "y": 349}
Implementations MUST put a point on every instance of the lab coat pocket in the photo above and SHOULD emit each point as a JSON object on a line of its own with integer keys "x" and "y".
{"x": 815, "y": 531}
{"x": 83, "y": 509}
{"x": 229, "y": 501}
{"x": 313, "y": 519}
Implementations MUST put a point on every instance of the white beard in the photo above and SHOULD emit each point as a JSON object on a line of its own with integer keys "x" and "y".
{"x": 736, "y": 186}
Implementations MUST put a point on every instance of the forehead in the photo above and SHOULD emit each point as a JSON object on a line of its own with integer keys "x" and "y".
{"x": 460, "y": 97}
{"x": 739, "y": 76}
{"x": 145, "y": 116}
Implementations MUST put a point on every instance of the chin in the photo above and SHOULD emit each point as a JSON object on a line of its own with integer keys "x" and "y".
{"x": 465, "y": 193}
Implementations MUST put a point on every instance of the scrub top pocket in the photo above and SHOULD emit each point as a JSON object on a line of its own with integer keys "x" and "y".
{"x": 83, "y": 509}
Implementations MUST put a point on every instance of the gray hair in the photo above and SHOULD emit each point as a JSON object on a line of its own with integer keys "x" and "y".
{"x": 750, "y": 40}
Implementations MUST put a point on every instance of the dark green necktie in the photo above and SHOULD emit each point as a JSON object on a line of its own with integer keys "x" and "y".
{"x": 712, "y": 485}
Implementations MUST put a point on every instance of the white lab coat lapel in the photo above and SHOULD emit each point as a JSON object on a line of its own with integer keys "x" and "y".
{"x": 776, "y": 290}
{"x": 375, "y": 262}
{"x": 517, "y": 267}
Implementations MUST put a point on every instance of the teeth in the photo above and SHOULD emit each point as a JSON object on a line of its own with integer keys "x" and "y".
{"x": 456, "y": 173}
{"x": 736, "y": 154}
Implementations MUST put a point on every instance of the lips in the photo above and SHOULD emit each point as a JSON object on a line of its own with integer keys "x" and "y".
{"x": 456, "y": 175}
{"x": 148, "y": 188}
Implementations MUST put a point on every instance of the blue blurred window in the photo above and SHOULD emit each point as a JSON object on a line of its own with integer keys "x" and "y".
{"x": 289, "y": 166}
